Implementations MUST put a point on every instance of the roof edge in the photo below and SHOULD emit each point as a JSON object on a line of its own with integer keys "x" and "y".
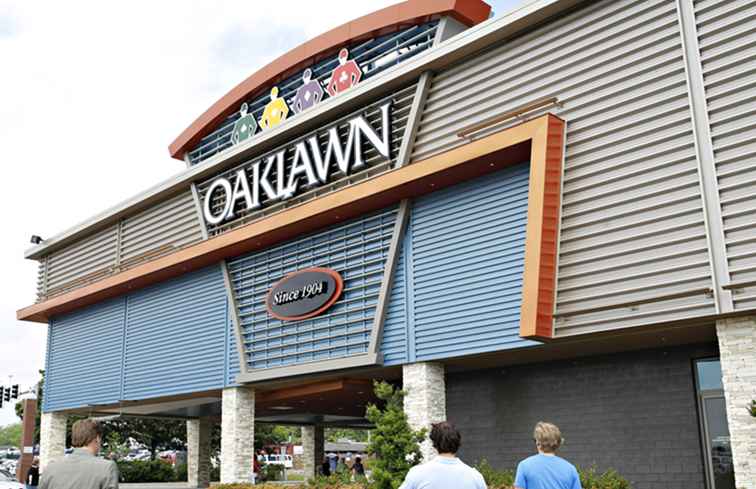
{"x": 469, "y": 12}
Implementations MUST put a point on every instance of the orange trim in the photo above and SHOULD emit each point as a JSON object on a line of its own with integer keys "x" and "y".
{"x": 539, "y": 277}
{"x": 389, "y": 19}
{"x": 539, "y": 140}
{"x": 331, "y": 301}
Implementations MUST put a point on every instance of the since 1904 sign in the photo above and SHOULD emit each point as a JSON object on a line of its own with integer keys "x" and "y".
{"x": 304, "y": 294}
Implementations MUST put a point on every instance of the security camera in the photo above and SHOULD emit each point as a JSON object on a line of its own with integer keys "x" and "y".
{"x": 36, "y": 239}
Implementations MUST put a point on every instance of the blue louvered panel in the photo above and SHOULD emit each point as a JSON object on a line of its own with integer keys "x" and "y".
{"x": 357, "y": 250}
{"x": 176, "y": 336}
{"x": 394, "y": 341}
{"x": 468, "y": 246}
{"x": 84, "y": 357}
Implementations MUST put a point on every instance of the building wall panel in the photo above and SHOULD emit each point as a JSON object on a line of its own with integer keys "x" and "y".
{"x": 727, "y": 42}
{"x": 171, "y": 338}
{"x": 468, "y": 245}
{"x": 357, "y": 250}
{"x": 395, "y": 327}
{"x": 633, "y": 242}
{"x": 161, "y": 229}
{"x": 84, "y": 357}
{"x": 176, "y": 336}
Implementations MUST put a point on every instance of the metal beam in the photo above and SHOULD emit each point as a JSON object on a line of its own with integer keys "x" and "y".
{"x": 259, "y": 375}
{"x": 234, "y": 307}
{"x": 707, "y": 172}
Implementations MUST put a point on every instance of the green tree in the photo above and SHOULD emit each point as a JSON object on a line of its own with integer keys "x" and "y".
{"x": 394, "y": 444}
{"x": 11, "y": 435}
{"x": 156, "y": 434}
{"x": 752, "y": 408}
{"x": 336, "y": 434}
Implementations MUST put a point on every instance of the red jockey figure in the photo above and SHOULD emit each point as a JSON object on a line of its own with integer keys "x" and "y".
{"x": 345, "y": 76}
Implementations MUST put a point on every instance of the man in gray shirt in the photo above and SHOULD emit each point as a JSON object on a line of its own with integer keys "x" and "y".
{"x": 82, "y": 469}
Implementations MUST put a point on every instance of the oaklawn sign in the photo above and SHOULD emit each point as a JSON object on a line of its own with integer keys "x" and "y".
{"x": 271, "y": 179}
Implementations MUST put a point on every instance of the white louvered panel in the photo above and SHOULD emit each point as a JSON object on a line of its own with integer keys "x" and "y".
{"x": 632, "y": 225}
{"x": 161, "y": 229}
{"x": 727, "y": 38}
{"x": 86, "y": 261}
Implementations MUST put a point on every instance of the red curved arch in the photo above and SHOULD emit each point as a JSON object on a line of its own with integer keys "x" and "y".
{"x": 389, "y": 19}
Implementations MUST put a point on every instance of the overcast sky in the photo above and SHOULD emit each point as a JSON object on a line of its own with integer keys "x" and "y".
{"x": 91, "y": 94}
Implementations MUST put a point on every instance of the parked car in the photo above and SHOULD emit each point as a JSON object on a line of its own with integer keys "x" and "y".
{"x": 7, "y": 481}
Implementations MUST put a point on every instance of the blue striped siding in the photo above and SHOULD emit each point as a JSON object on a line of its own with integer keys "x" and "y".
{"x": 176, "y": 336}
{"x": 394, "y": 342}
{"x": 461, "y": 281}
{"x": 170, "y": 338}
{"x": 84, "y": 357}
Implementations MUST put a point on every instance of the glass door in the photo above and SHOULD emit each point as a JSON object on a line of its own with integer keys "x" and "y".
{"x": 714, "y": 428}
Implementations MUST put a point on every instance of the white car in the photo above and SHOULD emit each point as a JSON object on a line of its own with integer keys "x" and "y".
{"x": 8, "y": 482}
{"x": 276, "y": 459}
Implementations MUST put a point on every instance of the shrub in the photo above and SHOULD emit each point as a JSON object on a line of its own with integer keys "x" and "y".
{"x": 146, "y": 471}
{"x": 752, "y": 409}
{"x": 181, "y": 473}
{"x": 271, "y": 472}
{"x": 394, "y": 444}
{"x": 610, "y": 479}
{"x": 495, "y": 479}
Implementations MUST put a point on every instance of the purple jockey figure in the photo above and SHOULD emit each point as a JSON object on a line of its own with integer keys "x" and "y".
{"x": 309, "y": 94}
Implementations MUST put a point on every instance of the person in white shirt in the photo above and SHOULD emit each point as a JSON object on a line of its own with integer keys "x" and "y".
{"x": 445, "y": 471}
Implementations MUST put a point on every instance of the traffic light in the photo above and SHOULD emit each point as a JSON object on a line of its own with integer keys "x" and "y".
{"x": 7, "y": 395}
{"x": 14, "y": 391}
{"x": 1, "y": 396}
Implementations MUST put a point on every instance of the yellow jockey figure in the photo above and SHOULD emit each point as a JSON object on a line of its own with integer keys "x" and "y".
{"x": 275, "y": 112}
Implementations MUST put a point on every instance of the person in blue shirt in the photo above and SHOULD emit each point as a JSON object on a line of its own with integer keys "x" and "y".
{"x": 445, "y": 471}
{"x": 546, "y": 470}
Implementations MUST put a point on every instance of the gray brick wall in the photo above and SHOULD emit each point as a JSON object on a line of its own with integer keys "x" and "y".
{"x": 634, "y": 412}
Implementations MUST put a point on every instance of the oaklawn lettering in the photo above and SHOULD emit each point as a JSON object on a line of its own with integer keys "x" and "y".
{"x": 270, "y": 179}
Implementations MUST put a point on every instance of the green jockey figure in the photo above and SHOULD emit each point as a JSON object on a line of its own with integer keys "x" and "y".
{"x": 245, "y": 127}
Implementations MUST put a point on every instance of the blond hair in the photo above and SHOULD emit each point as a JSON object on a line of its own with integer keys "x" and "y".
{"x": 84, "y": 432}
{"x": 547, "y": 436}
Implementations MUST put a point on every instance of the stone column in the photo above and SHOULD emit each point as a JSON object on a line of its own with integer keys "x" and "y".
{"x": 198, "y": 433}
{"x": 52, "y": 438}
{"x": 425, "y": 401}
{"x": 313, "y": 446}
{"x": 737, "y": 352}
{"x": 237, "y": 434}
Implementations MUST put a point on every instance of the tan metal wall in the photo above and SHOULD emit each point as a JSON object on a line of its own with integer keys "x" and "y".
{"x": 151, "y": 233}
{"x": 633, "y": 248}
{"x": 727, "y": 42}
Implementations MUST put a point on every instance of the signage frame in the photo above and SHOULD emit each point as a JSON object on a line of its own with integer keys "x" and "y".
{"x": 334, "y": 296}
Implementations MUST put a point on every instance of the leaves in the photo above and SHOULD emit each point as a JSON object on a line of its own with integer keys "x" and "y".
{"x": 394, "y": 444}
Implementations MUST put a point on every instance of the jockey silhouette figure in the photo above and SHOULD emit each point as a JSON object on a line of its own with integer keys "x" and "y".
{"x": 245, "y": 127}
{"x": 345, "y": 76}
{"x": 309, "y": 94}
{"x": 275, "y": 112}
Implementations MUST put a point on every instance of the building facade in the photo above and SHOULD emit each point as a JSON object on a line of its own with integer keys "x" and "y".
{"x": 548, "y": 214}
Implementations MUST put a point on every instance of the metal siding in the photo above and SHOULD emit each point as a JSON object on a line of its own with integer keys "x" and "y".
{"x": 84, "y": 357}
{"x": 357, "y": 250}
{"x": 394, "y": 340}
{"x": 633, "y": 245}
{"x": 468, "y": 249}
{"x": 161, "y": 229}
{"x": 176, "y": 336}
{"x": 232, "y": 352}
{"x": 83, "y": 262}
{"x": 727, "y": 37}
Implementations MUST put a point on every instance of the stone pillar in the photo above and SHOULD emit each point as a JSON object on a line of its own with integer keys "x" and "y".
{"x": 198, "y": 433}
{"x": 52, "y": 438}
{"x": 425, "y": 401}
{"x": 737, "y": 352}
{"x": 313, "y": 446}
{"x": 237, "y": 434}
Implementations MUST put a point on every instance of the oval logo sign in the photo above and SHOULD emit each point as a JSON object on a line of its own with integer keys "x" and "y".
{"x": 304, "y": 294}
